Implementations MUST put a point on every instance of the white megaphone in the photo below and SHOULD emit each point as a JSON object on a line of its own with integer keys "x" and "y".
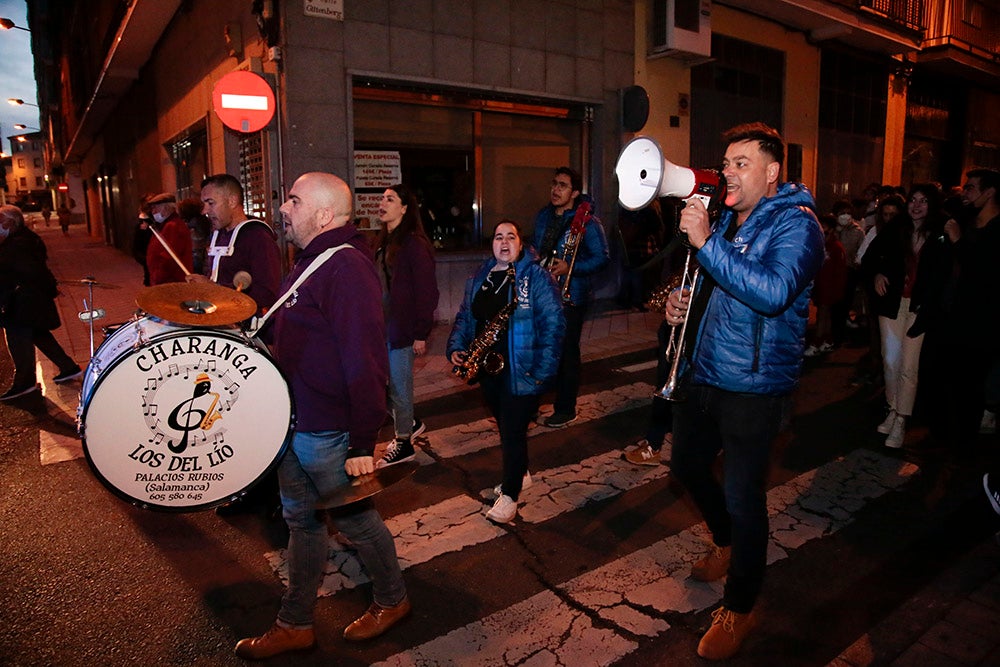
{"x": 644, "y": 174}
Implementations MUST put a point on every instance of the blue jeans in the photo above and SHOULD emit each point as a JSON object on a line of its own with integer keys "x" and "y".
{"x": 742, "y": 427}
{"x": 313, "y": 466}
{"x": 401, "y": 389}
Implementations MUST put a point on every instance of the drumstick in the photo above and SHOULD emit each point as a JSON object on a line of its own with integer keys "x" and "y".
{"x": 169, "y": 251}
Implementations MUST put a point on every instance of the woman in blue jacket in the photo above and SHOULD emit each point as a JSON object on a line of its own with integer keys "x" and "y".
{"x": 529, "y": 342}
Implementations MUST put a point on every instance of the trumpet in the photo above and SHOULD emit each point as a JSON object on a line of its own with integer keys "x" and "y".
{"x": 672, "y": 390}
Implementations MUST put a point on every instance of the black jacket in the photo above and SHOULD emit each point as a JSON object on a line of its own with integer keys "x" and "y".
{"x": 27, "y": 287}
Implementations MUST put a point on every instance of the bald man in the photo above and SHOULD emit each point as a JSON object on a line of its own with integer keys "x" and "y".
{"x": 328, "y": 339}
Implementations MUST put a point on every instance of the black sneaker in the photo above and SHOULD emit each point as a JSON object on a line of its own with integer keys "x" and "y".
{"x": 559, "y": 419}
{"x": 14, "y": 392}
{"x": 399, "y": 450}
{"x": 992, "y": 491}
{"x": 71, "y": 374}
{"x": 418, "y": 427}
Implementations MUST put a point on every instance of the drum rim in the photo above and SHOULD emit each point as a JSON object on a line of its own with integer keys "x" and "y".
{"x": 237, "y": 336}
{"x": 82, "y": 407}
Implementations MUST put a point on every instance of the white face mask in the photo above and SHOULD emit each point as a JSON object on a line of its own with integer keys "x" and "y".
{"x": 844, "y": 219}
{"x": 159, "y": 217}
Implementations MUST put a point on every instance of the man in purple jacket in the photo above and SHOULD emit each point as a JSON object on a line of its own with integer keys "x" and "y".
{"x": 328, "y": 338}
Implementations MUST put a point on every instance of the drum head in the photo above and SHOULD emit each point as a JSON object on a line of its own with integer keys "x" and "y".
{"x": 189, "y": 421}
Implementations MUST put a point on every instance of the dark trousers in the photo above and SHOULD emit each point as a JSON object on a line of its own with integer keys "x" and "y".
{"x": 513, "y": 414}
{"x": 22, "y": 341}
{"x": 952, "y": 391}
{"x": 568, "y": 380}
{"x": 741, "y": 426}
{"x": 661, "y": 419}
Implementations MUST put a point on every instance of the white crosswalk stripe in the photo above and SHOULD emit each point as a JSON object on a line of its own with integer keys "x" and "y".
{"x": 630, "y": 594}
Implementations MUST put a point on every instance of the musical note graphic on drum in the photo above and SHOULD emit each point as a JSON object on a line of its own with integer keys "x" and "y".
{"x": 203, "y": 419}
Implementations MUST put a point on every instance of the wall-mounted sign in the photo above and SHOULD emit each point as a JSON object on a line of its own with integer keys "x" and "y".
{"x": 325, "y": 9}
{"x": 243, "y": 101}
{"x": 374, "y": 171}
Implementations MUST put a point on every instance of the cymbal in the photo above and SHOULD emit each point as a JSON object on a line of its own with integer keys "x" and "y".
{"x": 197, "y": 304}
{"x": 89, "y": 281}
{"x": 367, "y": 486}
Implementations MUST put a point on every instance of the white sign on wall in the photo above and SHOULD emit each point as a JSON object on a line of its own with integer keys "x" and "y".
{"x": 374, "y": 171}
{"x": 325, "y": 9}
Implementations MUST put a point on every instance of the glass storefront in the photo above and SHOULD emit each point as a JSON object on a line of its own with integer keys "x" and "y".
{"x": 473, "y": 161}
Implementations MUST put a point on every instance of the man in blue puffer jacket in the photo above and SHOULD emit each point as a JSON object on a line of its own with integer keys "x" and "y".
{"x": 552, "y": 231}
{"x": 743, "y": 355}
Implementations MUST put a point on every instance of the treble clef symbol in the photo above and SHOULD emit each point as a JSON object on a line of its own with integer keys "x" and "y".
{"x": 192, "y": 415}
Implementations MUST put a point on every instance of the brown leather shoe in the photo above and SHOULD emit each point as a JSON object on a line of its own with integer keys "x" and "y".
{"x": 376, "y": 620}
{"x": 274, "y": 641}
{"x": 726, "y": 634}
{"x": 713, "y": 566}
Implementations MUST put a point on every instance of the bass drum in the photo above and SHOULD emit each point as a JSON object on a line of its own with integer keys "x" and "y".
{"x": 122, "y": 340}
{"x": 188, "y": 421}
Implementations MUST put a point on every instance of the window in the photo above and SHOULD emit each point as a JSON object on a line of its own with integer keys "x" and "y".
{"x": 24, "y": 182}
{"x": 38, "y": 181}
{"x": 472, "y": 161}
{"x": 38, "y": 163}
{"x": 21, "y": 164}
{"x": 744, "y": 81}
{"x": 189, "y": 151}
{"x": 852, "y": 109}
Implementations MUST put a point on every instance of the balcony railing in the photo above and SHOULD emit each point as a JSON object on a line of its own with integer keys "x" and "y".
{"x": 970, "y": 26}
{"x": 907, "y": 13}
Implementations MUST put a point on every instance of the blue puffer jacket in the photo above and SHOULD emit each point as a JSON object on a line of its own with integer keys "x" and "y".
{"x": 537, "y": 326}
{"x": 753, "y": 331}
{"x": 590, "y": 258}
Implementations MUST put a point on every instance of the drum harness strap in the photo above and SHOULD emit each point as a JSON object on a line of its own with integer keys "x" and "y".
{"x": 258, "y": 322}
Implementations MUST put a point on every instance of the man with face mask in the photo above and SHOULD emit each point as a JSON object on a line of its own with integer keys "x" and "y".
{"x": 27, "y": 305}
{"x": 175, "y": 234}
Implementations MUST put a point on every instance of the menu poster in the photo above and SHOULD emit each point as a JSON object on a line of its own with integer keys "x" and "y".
{"x": 374, "y": 171}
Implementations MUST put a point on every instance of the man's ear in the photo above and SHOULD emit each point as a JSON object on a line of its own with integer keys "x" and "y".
{"x": 773, "y": 172}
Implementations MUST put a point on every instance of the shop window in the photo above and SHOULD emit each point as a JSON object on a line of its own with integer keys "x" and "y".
{"x": 471, "y": 161}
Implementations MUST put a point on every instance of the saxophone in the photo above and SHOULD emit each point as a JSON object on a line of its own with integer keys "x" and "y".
{"x": 481, "y": 356}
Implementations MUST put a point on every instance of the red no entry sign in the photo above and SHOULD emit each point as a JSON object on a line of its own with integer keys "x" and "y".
{"x": 243, "y": 101}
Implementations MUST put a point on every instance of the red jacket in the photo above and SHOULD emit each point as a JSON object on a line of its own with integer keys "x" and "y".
{"x": 162, "y": 267}
{"x": 831, "y": 280}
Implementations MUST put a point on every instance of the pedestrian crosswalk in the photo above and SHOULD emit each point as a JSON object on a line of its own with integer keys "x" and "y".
{"x": 600, "y": 616}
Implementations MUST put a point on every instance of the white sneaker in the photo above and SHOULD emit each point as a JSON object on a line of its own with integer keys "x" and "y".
{"x": 886, "y": 425}
{"x": 503, "y": 511}
{"x": 497, "y": 491}
{"x": 989, "y": 422}
{"x": 898, "y": 432}
{"x": 811, "y": 351}
{"x": 826, "y": 347}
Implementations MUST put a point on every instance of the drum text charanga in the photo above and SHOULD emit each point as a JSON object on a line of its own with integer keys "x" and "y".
{"x": 158, "y": 352}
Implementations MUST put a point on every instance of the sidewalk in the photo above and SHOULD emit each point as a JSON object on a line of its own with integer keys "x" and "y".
{"x": 953, "y": 621}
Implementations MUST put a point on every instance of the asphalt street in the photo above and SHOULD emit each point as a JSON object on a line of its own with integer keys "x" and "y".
{"x": 877, "y": 556}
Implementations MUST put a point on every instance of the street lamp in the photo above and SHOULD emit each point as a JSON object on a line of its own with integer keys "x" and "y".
{"x": 18, "y": 102}
{"x": 7, "y": 24}
{"x": 22, "y": 126}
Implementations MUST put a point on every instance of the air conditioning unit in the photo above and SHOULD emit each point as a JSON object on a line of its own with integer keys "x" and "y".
{"x": 681, "y": 29}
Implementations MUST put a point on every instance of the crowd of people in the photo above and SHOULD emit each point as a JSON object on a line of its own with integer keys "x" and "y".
{"x": 916, "y": 268}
